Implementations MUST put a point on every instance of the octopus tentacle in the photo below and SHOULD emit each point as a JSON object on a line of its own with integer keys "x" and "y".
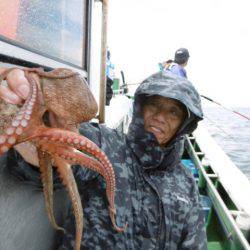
{"x": 20, "y": 122}
{"x": 80, "y": 142}
{"x": 75, "y": 140}
{"x": 45, "y": 168}
{"x": 70, "y": 154}
{"x": 76, "y": 157}
{"x": 68, "y": 179}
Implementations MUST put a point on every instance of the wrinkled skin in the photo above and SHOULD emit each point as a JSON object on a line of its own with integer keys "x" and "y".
{"x": 63, "y": 94}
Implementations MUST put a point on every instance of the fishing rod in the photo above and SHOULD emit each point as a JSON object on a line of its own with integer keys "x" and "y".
{"x": 229, "y": 109}
{"x": 132, "y": 84}
{"x": 207, "y": 98}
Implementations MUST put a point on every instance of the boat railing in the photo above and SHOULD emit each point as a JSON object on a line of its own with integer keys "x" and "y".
{"x": 209, "y": 180}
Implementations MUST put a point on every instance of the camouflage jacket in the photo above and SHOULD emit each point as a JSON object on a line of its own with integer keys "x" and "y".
{"x": 155, "y": 195}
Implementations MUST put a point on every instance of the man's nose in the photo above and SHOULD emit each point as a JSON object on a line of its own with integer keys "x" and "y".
{"x": 160, "y": 116}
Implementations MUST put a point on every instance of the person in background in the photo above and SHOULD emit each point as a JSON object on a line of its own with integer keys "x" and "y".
{"x": 155, "y": 195}
{"x": 109, "y": 78}
{"x": 165, "y": 65}
{"x": 177, "y": 67}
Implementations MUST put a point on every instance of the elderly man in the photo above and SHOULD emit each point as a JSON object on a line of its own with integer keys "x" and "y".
{"x": 155, "y": 195}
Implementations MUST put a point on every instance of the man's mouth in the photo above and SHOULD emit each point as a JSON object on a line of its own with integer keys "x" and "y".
{"x": 155, "y": 129}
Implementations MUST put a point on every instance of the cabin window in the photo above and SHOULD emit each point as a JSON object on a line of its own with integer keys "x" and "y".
{"x": 56, "y": 29}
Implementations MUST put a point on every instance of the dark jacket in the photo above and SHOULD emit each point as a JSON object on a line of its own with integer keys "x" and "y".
{"x": 155, "y": 194}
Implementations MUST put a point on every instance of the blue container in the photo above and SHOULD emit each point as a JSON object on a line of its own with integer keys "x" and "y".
{"x": 206, "y": 205}
{"x": 191, "y": 167}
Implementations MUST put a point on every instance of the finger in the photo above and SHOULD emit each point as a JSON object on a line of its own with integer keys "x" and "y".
{"x": 18, "y": 83}
{"x": 2, "y": 70}
{"x": 9, "y": 96}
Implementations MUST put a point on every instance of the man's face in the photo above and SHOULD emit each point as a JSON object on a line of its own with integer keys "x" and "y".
{"x": 162, "y": 117}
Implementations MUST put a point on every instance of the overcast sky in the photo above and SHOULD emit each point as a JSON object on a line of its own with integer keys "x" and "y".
{"x": 143, "y": 33}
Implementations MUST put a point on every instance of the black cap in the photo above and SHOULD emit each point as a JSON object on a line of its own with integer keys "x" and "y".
{"x": 181, "y": 56}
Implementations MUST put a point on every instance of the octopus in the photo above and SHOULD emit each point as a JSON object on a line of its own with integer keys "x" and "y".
{"x": 66, "y": 95}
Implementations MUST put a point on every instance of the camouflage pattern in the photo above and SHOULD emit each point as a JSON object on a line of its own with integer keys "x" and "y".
{"x": 155, "y": 194}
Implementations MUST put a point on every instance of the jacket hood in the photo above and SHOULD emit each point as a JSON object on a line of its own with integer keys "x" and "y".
{"x": 144, "y": 144}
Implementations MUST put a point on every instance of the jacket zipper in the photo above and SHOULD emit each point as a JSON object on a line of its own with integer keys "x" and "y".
{"x": 161, "y": 211}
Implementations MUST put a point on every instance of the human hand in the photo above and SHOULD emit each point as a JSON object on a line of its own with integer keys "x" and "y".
{"x": 17, "y": 88}
{"x": 16, "y": 92}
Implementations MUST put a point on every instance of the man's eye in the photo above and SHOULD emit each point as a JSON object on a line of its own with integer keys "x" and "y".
{"x": 175, "y": 112}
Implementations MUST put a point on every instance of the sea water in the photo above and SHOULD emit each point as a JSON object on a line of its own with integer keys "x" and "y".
{"x": 232, "y": 133}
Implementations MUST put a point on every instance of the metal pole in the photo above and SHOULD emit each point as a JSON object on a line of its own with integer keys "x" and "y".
{"x": 102, "y": 98}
